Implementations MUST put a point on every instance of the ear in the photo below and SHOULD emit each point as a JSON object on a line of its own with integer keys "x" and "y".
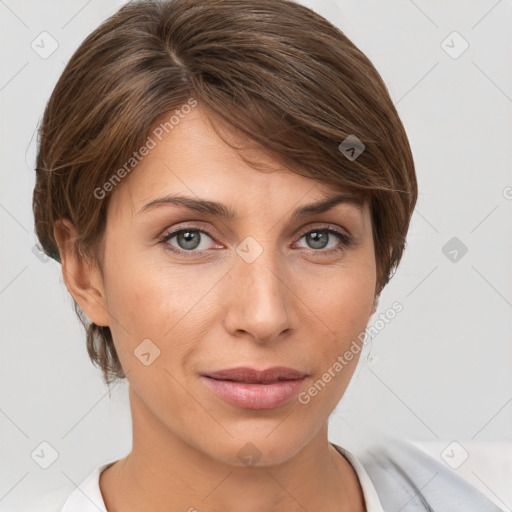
{"x": 82, "y": 277}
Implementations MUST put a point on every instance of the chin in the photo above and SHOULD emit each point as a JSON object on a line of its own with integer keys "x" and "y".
{"x": 260, "y": 450}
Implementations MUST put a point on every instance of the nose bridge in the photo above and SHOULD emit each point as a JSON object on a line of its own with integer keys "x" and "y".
{"x": 259, "y": 305}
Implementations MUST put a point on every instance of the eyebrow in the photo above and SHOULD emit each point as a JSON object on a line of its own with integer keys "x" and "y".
{"x": 225, "y": 212}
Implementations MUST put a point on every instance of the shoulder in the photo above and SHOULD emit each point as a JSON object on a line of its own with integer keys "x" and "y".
{"x": 88, "y": 497}
{"x": 85, "y": 497}
{"x": 406, "y": 477}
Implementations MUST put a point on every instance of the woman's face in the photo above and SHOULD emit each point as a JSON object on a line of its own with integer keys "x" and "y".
{"x": 262, "y": 289}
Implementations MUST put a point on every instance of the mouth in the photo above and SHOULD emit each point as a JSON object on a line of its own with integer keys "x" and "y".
{"x": 252, "y": 389}
{"x": 253, "y": 376}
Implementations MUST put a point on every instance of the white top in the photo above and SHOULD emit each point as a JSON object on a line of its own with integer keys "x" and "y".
{"x": 87, "y": 496}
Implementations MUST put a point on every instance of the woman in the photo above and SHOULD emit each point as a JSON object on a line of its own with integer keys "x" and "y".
{"x": 228, "y": 188}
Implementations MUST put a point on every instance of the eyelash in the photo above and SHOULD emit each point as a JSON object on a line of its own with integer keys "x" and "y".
{"x": 346, "y": 240}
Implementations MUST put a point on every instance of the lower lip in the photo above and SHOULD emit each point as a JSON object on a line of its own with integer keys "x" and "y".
{"x": 255, "y": 396}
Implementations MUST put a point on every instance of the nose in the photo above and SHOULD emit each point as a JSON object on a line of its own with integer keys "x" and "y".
{"x": 258, "y": 298}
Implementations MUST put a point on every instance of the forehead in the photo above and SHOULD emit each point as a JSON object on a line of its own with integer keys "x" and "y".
{"x": 192, "y": 160}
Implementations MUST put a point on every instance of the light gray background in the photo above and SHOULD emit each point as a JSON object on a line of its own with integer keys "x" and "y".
{"x": 439, "y": 372}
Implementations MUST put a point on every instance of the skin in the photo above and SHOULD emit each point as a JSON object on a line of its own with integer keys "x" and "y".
{"x": 293, "y": 306}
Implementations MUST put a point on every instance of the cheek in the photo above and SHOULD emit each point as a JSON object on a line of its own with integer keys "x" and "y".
{"x": 345, "y": 307}
{"x": 346, "y": 299}
{"x": 148, "y": 298}
{"x": 344, "y": 303}
{"x": 138, "y": 296}
{"x": 146, "y": 303}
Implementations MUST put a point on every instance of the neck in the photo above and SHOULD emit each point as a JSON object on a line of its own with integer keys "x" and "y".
{"x": 165, "y": 473}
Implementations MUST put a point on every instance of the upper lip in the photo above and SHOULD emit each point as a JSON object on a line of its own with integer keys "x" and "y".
{"x": 251, "y": 375}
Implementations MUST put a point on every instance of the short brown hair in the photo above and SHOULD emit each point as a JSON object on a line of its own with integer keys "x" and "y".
{"x": 273, "y": 69}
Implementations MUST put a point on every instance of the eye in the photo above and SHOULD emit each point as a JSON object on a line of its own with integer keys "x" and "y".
{"x": 188, "y": 239}
{"x": 191, "y": 241}
{"x": 319, "y": 239}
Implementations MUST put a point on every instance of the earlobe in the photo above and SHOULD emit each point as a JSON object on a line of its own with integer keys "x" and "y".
{"x": 82, "y": 277}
